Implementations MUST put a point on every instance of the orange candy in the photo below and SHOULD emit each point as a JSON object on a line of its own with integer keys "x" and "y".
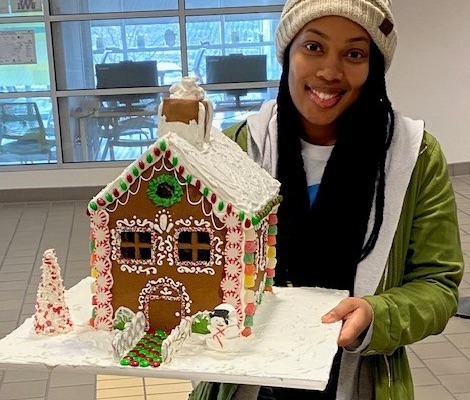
{"x": 249, "y": 269}
{"x": 246, "y": 332}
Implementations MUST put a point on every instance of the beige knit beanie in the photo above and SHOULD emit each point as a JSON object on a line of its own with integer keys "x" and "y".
{"x": 374, "y": 16}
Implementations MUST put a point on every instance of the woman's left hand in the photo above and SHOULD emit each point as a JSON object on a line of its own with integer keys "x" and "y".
{"x": 356, "y": 314}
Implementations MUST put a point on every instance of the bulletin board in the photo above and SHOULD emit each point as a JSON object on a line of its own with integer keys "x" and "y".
{"x": 17, "y": 47}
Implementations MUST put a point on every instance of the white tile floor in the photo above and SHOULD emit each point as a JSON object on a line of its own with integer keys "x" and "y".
{"x": 441, "y": 364}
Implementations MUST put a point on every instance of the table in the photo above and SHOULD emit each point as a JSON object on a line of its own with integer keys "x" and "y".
{"x": 114, "y": 114}
{"x": 289, "y": 345}
{"x": 165, "y": 67}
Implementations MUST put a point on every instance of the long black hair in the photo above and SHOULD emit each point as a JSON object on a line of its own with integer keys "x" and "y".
{"x": 323, "y": 244}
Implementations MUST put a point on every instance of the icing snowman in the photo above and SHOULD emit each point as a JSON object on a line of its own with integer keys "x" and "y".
{"x": 223, "y": 328}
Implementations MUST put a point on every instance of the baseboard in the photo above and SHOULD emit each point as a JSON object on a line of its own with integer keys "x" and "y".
{"x": 86, "y": 193}
{"x": 462, "y": 168}
{"x": 48, "y": 194}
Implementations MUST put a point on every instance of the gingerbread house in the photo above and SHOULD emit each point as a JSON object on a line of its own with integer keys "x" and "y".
{"x": 187, "y": 226}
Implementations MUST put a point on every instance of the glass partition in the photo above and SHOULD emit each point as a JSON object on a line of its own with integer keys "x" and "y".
{"x": 121, "y": 127}
{"x": 84, "y": 47}
{"x": 225, "y": 35}
{"x": 107, "y": 128}
{"x": 23, "y": 62}
{"x": 109, "y": 6}
{"x": 231, "y": 3}
{"x": 27, "y": 131}
{"x": 112, "y": 61}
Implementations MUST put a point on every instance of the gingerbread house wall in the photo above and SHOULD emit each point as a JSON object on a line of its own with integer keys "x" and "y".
{"x": 201, "y": 289}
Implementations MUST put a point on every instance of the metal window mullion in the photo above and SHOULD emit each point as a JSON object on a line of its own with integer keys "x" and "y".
{"x": 183, "y": 38}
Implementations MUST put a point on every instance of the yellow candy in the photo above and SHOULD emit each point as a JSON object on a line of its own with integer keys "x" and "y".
{"x": 94, "y": 273}
{"x": 271, "y": 253}
{"x": 250, "y": 281}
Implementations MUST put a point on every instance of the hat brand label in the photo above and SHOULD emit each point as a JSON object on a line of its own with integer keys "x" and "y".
{"x": 386, "y": 26}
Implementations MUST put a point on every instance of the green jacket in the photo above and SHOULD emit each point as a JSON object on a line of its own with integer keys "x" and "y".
{"x": 418, "y": 292}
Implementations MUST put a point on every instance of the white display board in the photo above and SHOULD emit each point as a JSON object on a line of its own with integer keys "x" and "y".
{"x": 289, "y": 347}
{"x": 17, "y": 47}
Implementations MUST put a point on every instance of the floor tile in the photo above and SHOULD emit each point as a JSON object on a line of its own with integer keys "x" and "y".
{"x": 423, "y": 377}
{"x": 435, "y": 350}
{"x": 81, "y": 392}
{"x": 59, "y": 379}
{"x": 434, "y": 392}
{"x": 456, "y": 383}
{"x": 18, "y": 390}
{"x": 448, "y": 366}
{"x": 462, "y": 396}
{"x": 461, "y": 340}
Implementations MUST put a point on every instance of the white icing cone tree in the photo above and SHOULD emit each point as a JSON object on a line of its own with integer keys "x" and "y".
{"x": 52, "y": 314}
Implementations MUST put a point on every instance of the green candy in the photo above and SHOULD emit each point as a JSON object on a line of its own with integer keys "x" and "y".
{"x": 161, "y": 333}
{"x": 248, "y": 320}
{"x": 249, "y": 258}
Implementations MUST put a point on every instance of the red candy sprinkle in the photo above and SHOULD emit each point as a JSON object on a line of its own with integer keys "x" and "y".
{"x": 229, "y": 208}
{"x": 129, "y": 178}
{"x": 101, "y": 202}
{"x": 198, "y": 184}
{"x": 134, "y": 363}
{"x": 141, "y": 164}
{"x": 247, "y": 223}
{"x": 156, "y": 151}
{"x": 181, "y": 170}
{"x": 213, "y": 198}
{"x": 116, "y": 193}
{"x": 168, "y": 154}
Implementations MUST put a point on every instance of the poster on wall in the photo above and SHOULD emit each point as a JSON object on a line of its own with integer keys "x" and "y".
{"x": 17, "y": 47}
{"x": 26, "y": 5}
{"x": 3, "y": 6}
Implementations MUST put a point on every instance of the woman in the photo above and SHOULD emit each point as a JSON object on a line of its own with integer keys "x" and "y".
{"x": 369, "y": 186}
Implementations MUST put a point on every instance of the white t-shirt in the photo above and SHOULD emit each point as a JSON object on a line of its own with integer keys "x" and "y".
{"x": 315, "y": 158}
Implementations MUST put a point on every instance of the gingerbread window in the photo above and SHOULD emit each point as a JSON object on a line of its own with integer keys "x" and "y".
{"x": 136, "y": 245}
{"x": 193, "y": 247}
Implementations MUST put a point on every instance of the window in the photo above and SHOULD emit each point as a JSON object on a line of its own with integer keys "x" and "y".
{"x": 136, "y": 245}
{"x": 194, "y": 247}
{"x": 79, "y": 44}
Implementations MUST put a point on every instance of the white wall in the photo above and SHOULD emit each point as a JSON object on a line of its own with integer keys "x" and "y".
{"x": 430, "y": 74}
{"x": 429, "y": 79}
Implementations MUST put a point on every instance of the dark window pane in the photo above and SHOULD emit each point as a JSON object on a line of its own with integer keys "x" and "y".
{"x": 145, "y": 237}
{"x": 203, "y": 237}
{"x": 203, "y": 255}
{"x": 145, "y": 253}
{"x": 184, "y": 237}
{"x": 127, "y": 252}
{"x": 185, "y": 254}
{"x": 127, "y": 237}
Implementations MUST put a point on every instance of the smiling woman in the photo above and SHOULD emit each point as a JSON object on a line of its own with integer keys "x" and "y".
{"x": 361, "y": 186}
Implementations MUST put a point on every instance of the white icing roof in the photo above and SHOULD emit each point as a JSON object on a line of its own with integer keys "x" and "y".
{"x": 227, "y": 170}
{"x": 221, "y": 165}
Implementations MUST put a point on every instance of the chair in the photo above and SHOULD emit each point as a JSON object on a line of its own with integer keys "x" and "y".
{"x": 135, "y": 131}
{"x": 22, "y": 133}
{"x": 198, "y": 62}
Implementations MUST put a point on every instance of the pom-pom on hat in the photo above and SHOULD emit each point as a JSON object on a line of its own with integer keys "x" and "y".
{"x": 374, "y": 16}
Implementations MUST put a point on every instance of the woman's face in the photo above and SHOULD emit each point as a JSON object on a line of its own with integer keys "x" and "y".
{"x": 329, "y": 64}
